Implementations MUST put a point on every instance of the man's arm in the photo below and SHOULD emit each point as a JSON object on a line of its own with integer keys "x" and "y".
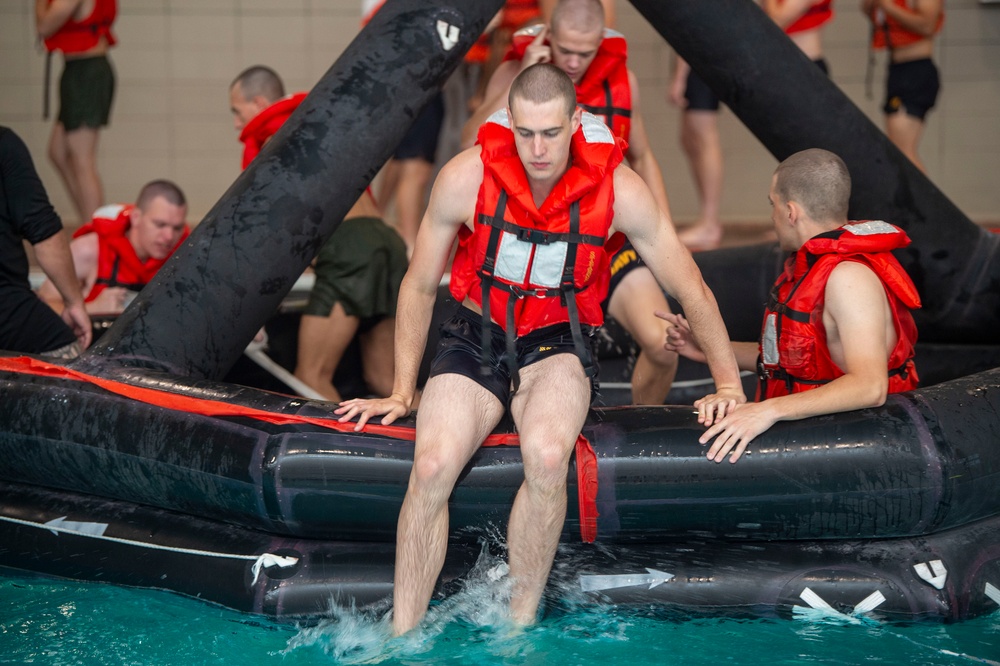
{"x": 50, "y": 17}
{"x": 83, "y": 263}
{"x": 680, "y": 340}
{"x": 650, "y": 230}
{"x": 452, "y": 204}
{"x": 54, "y": 257}
{"x": 856, "y": 318}
{"x": 921, "y": 18}
{"x": 640, "y": 155}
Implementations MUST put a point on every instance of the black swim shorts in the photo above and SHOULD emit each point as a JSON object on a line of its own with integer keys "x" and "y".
{"x": 86, "y": 90}
{"x": 912, "y": 87}
{"x": 459, "y": 351}
{"x": 422, "y": 139}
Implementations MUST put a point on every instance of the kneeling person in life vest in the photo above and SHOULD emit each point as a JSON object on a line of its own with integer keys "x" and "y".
{"x": 123, "y": 247}
{"x": 538, "y": 208}
{"x": 838, "y": 334}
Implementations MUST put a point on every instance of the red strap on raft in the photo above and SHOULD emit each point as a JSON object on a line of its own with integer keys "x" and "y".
{"x": 586, "y": 459}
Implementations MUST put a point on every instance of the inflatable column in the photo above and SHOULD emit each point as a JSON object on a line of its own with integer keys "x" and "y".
{"x": 790, "y": 105}
{"x": 220, "y": 287}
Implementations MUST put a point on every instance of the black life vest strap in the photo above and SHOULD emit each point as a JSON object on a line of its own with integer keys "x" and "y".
{"x": 609, "y": 110}
{"x": 569, "y": 290}
{"x": 486, "y": 281}
{"x": 113, "y": 281}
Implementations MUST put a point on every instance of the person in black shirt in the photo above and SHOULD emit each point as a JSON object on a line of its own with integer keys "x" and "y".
{"x": 26, "y": 323}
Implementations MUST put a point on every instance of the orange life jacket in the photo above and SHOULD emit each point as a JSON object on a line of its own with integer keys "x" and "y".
{"x": 604, "y": 89}
{"x": 817, "y": 14}
{"x": 540, "y": 265}
{"x": 794, "y": 356}
{"x": 890, "y": 33}
{"x": 263, "y": 126}
{"x": 117, "y": 263}
{"x": 80, "y": 36}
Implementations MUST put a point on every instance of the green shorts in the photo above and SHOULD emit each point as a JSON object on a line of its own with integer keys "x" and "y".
{"x": 360, "y": 267}
{"x": 86, "y": 90}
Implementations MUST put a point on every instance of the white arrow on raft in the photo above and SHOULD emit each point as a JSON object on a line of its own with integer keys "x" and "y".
{"x": 57, "y": 525}
{"x": 610, "y": 582}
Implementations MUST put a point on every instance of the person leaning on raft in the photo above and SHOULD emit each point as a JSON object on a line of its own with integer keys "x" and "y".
{"x": 838, "y": 333}
{"x": 358, "y": 270}
{"x": 538, "y": 207}
{"x": 124, "y": 246}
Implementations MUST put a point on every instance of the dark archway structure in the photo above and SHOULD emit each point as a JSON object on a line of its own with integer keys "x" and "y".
{"x": 789, "y": 105}
{"x": 213, "y": 295}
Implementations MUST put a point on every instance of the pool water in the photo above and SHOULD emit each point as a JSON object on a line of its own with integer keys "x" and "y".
{"x": 47, "y": 621}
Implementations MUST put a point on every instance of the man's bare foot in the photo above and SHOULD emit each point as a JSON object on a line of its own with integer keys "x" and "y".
{"x": 701, "y": 236}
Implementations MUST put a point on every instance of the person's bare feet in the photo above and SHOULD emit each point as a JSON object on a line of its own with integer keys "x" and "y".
{"x": 702, "y": 235}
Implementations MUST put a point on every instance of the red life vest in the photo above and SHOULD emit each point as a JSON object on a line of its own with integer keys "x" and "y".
{"x": 794, "y": 356}
{"x": 891, "y": 33}
{"x": 80, "y": 36}
{"x": 117, "y": 263}
{"x": 540, "y": 265}
{"x": 817, "y": 14}
{"x": 263, "y": 126}
{"x": 604, "y": 89}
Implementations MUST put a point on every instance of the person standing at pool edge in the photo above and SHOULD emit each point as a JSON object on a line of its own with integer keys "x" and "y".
{"x": 545, "y": 189}
{"x": 81, "y": 29}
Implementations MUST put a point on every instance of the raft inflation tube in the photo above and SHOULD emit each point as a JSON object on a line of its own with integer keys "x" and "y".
{"x": 915, "y": 481}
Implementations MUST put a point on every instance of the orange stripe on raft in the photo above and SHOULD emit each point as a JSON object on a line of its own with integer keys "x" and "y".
{"x": 586, "y": 458}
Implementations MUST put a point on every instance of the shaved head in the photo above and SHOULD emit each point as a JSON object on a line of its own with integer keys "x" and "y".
{"x": 585, "y": 16}
{"x": 542, "y": 83}
{"x": 262, "y": 81}
{"x": 817, "y": 180}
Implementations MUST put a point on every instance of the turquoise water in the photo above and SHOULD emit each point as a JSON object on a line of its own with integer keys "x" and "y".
{"x": 45, "y": 621}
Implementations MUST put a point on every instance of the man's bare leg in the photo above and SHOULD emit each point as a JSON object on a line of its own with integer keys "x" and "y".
{"x": 60, "y": 158}
{"x": 701, "y": 142}
{"x": 549, "y": 411}
{"x": 905, "y": 132}
{"x": 322, "y": 342}
{"x": 633, "y": 303}
{"x": 455, "y": 416}
{"x": 411, "y": 197}
{"x": 82, "y": 144}
{"x": 377, "y": 354}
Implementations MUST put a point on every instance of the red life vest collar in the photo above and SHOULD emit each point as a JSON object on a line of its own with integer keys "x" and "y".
{"x": 594, "y": 153}
{"x": 264, "y": 125}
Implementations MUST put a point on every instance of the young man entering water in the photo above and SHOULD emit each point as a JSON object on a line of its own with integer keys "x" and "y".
{"x": 536, "y": 208}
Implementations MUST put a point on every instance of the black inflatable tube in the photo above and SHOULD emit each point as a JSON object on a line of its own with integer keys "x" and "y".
{"x": 790, "y": 105}
{"x": 205, "y": 305}
{"x": 924, "y": 462}
{"x": 87, "y": 538}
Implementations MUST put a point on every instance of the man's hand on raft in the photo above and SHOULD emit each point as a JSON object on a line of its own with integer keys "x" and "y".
{"x": 394, "y": 407}
{"x": 737, "y": 429}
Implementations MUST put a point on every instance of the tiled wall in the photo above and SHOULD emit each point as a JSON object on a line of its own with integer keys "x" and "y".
{"x": 176, "y": 58}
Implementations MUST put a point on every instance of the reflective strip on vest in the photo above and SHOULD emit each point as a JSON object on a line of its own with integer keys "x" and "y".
{"x": 871, "y": 227}
{"x": 769, "y": 340}
{"x": 514, "y": 255}
{"x": 594, "y": 130}
{"x": 109, "y": 211}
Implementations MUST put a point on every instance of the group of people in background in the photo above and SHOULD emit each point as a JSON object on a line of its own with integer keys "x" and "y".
{"x": 560, "y": 214}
